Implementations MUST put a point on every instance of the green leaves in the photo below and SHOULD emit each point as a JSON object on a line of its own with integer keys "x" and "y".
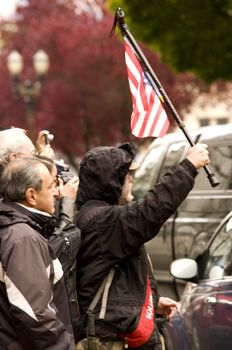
{"x": 190, "y": 35}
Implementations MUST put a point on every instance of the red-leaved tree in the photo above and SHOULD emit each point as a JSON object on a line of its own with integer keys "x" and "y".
{"x": 86, "y": 100}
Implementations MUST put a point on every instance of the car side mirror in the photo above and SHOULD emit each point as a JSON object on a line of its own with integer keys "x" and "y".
{"x": 185, "y": 269}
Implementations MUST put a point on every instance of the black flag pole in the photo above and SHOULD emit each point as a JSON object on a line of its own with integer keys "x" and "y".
{"x": 119, "y": 21}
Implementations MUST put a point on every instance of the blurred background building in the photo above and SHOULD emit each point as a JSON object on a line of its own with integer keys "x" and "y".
{"x": 211, "y": 108}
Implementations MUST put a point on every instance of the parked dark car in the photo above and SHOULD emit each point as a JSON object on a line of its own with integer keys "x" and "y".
{"x": 205, "y": 320}
{"x": 187, "y": 232}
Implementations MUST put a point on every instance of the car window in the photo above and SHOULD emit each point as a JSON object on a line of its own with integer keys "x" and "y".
{"x": 155, "y": 164}
{"x": 147, "y": 173}
{"x": 220, "y": 254}
{"x": 173, "y": 156}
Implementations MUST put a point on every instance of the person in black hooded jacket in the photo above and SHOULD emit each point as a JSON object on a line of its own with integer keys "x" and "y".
{"x": 114, "y": 230}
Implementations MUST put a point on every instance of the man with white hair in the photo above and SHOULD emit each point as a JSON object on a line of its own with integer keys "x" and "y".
{"x": 14, "y": 143}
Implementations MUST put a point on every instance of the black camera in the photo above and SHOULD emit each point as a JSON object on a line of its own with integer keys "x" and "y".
{"x": 66, "y": 176}
{"x": 63, "y": 171}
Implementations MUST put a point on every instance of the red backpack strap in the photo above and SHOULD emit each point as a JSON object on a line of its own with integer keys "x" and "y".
{"x": 146, "y": 324}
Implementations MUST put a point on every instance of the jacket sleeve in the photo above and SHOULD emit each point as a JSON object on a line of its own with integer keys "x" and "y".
{"x": 139, "y": 221}
{"x": 67, "y": 211}
{"x": 30, "y": 275}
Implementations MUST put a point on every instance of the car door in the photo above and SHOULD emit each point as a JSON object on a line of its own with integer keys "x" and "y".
{"x": 219, "y": 268}
{"x": 207, "y": 306}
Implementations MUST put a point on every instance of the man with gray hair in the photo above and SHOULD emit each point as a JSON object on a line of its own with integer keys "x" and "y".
{"x": 34, "y": 312}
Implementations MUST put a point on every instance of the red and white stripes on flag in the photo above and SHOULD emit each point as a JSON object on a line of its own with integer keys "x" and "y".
{"x": 148, "y": 117}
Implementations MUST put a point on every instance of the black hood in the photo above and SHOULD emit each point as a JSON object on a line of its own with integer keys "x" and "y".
{"x": 102, "y": 173}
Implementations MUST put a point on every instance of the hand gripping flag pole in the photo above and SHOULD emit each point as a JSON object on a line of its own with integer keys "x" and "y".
{"x": 150, "y": 75}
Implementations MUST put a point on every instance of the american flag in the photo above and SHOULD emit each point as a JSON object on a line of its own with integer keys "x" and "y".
{"x": 148, "y": 117}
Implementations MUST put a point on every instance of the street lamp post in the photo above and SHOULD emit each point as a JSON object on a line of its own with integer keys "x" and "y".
{"x": 28, "y": 89}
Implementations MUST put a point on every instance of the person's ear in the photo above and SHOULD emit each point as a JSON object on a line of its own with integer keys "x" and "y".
{"x": 31, "y": 196}
{"x": 13, "y": 156}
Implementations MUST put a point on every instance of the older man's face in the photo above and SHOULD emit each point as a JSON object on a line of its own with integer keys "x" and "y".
{"x": 46, "y": 197}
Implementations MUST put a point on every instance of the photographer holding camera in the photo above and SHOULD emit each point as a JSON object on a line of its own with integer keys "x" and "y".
{"x": 67, "y": 185}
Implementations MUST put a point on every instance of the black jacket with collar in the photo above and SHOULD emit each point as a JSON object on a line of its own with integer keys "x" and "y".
{"x": 115, "y": 237}
{"x": 34, "y": 312}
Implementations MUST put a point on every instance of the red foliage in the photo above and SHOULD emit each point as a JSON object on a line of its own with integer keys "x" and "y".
{"x": 86, "y": 99}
